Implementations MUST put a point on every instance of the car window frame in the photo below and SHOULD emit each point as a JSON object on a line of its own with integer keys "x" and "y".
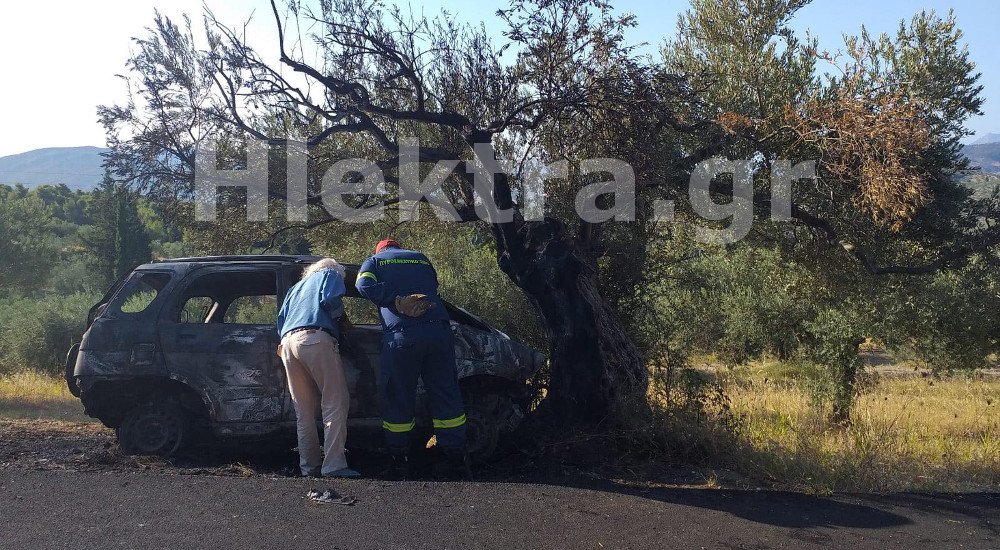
{"x": 113, "y": 307}
{"x": 171, "y": 313}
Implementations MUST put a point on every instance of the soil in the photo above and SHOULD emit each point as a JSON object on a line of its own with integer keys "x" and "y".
{"x": 55, "y": 445}
{"x": 90, "y": 446}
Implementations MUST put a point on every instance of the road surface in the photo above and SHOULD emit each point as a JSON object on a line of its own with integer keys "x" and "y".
{"x": 122, "y": 509}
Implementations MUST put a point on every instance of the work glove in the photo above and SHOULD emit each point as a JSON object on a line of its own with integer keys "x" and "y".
{"x": 413, "y": 305}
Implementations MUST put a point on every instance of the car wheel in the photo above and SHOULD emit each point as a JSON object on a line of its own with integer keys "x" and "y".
{"x": 70, "y": 367}
{"x": 482, "y": 429}
{"x": 154, "y": 428}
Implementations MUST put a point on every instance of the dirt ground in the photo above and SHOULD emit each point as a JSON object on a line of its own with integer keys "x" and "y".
{"x": 90, "y": 446}
{"x": 57, "y": 445}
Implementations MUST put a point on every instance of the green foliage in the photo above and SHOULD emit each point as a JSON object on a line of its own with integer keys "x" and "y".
{"x": 785, "y": 290}
{"x": 118, "y": 241}
{"x": 737, "y": 304}
{"x": 35, "y": 334}
{"x": 252, "y": 310}
{"x": 73, "y": 274}
{"x": 949, "y": 320}
{"x": 747, "y": 303}
{"x": 26, "y": 249}
{"x": 837, "y": 334}
{"x": 138, "y": 302}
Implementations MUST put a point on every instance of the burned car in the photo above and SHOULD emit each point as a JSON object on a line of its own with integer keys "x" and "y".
{"x": 185, "y": 350}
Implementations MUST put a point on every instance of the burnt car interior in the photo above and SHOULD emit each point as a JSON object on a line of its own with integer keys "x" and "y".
{"x": 230, "y": 297}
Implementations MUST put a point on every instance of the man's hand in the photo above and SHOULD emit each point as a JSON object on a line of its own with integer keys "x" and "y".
{"x": 346, "y": 326}
{"x": 413, "y": 305}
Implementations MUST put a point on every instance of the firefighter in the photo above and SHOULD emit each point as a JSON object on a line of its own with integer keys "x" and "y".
{"x": 418, "y": 343}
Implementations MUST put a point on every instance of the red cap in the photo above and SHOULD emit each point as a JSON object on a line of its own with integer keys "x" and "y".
{"x": 385, "y": 243}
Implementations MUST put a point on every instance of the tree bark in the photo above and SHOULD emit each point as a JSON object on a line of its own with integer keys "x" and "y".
{"x": 596, "y": 369}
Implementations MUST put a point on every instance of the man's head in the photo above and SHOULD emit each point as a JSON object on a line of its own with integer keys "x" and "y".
{"x": 385, "y": 243}
{"x": 323, "y": 265}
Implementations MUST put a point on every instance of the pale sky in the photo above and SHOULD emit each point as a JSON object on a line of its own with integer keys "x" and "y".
{"x": 58, "y": 59}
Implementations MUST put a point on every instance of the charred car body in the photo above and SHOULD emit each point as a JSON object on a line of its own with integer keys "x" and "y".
{"x": 184, "y": 349}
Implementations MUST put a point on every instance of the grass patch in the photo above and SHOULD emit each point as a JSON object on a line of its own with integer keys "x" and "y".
{"x": 30, "y": 395}
{"x": 906, "y": 434}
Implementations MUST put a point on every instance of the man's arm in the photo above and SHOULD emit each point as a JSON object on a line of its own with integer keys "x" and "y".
{"x": 331, "y": 294}
{"x": 371, "y": 288}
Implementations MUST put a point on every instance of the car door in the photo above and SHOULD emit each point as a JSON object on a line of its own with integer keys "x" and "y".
{"x": 219, "y": 336}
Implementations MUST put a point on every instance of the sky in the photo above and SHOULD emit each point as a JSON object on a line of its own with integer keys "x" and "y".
{"x": 58, "y": 59}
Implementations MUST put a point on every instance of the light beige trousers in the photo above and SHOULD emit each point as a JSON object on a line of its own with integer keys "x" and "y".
{"x": 317, "y": 385}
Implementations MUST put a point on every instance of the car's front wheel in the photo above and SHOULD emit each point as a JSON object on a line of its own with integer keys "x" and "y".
{"x": 489, "y": 414}
{"x": 158, "y": 427}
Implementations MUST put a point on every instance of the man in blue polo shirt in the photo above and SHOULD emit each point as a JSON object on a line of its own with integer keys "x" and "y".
{"x": 310, "y": 350}
{"x": 418, "y": 343}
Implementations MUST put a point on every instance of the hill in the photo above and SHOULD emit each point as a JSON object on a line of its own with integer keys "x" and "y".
{"x": 986, "y": 156}
{"x": 987, "y": 139}
{"x": 981, "y": 183}
{"x": 77, "y": 167}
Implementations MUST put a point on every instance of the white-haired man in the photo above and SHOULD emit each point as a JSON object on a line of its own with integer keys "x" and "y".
{"x": 310, "y": 349}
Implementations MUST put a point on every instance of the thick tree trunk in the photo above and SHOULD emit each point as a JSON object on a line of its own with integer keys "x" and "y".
{"x": 595, "y": 367}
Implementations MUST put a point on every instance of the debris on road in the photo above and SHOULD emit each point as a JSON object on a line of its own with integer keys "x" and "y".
{"x": 330, "y": 497}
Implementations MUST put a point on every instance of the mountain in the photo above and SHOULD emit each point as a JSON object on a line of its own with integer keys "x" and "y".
{"x": 986, "y": 156}
{"x": 77, "y": 167}
{"x": 987, "y": 139}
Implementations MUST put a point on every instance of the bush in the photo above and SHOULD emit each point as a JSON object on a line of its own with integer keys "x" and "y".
{"x": 36, "y": 334}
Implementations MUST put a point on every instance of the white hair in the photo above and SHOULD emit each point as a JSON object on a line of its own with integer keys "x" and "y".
{"x": 323, "y": 265}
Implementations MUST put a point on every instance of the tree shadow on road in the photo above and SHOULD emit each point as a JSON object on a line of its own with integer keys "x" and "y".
{"x": 800, "y": 511}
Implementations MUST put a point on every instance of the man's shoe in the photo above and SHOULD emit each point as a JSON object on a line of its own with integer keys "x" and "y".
{"x": 463, "y": 466}
{"x": 343, "y": 473}
{"x": 399, "y": 467}
{"x": 455, "y": 464}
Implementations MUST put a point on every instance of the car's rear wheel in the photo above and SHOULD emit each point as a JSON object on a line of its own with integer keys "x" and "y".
{"x": 158, "y": 427}
{"x": 70, "y": 367}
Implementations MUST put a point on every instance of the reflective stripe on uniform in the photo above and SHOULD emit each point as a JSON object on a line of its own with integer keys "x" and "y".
{"x": 450, "y": 423}
{"x": 368, "y": 274}
{"x": 399, "y": 428}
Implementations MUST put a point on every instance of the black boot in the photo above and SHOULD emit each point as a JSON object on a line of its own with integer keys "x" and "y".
{"x": 399, "y": 467}
{"x": 457, "y": 464}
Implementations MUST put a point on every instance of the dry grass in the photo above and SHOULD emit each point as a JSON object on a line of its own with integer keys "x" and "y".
{"x": 907, "y": 434}
{"x": 28, "y": 395}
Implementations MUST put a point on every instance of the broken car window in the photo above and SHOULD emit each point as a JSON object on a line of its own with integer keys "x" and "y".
{"x": 197, "y": 309}
{"x": 253, "y": 310}
{"x": 244, "y": 297}
{"x": 142, "y": 291}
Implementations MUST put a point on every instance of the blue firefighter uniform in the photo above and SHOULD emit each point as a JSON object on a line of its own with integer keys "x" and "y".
{"x": 413, "y": 347}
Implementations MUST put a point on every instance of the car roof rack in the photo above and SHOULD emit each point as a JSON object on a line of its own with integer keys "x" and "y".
{"x": 242, "y": 258}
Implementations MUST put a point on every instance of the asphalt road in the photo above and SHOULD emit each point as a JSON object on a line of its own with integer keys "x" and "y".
{"x": 66, "y": 509}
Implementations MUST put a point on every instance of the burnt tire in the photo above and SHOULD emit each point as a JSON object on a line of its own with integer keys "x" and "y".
{"x": 157, "y": 427}
{"x": 69, "y": 369}
{"x": 488, "y": 413}
{"x": 482, "y": 433}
